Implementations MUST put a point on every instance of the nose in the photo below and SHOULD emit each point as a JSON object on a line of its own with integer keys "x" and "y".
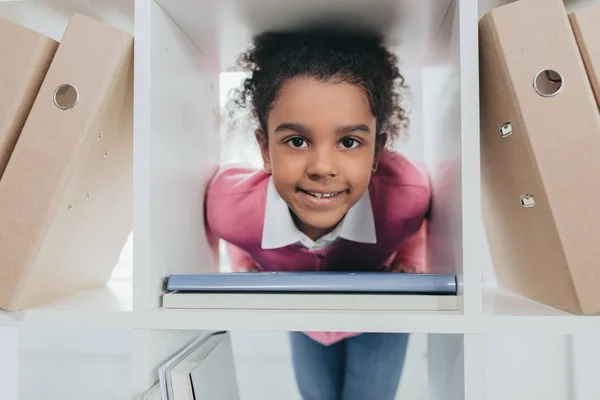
{"x": 322, "y": 163}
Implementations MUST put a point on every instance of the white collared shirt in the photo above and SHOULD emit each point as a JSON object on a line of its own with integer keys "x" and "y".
{"x": 279, "y": 229}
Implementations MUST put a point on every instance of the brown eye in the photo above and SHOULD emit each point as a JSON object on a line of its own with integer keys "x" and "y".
{"x": 349, "y": 143}
{"x": 297, "y": 143}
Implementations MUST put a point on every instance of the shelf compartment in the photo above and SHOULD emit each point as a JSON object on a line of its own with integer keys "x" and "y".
{"x": 433, "y": 367}
{"x": 183, "y": 47}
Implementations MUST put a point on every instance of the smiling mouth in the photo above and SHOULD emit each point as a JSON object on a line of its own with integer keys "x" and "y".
{"x": 319, "y": 195}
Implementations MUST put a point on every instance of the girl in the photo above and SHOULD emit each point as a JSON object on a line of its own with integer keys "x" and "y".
{"x": 331, "y": 197}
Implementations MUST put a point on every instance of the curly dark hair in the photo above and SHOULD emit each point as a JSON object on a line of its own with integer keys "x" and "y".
{"x": 326, "y": 53}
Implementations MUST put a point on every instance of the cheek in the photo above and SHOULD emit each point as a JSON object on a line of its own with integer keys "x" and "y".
{"x": 286, "y": 167}
{"x": 358, "y": 169}
{"x": 362, "y": 179}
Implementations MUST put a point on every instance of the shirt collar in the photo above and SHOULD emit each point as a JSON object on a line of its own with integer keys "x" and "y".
{"x": 279, "y": 229}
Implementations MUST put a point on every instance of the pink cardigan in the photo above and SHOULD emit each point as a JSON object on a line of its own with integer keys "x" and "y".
{"x": 400, "y": 195}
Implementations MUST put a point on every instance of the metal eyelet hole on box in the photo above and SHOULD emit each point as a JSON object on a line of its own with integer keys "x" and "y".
{"x": 548, "y": 83}
{"x": 506, "y": 129}
{"x": 66, "y": 96}
{"x": 527, "y": 201}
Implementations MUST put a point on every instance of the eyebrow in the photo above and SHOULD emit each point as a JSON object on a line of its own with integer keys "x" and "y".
{"x": 342, "y": 130}
{"x": 291, "y": 126}
{"x": 303, "y": 130}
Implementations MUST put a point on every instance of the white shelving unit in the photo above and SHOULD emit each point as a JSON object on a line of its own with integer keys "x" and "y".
{"x": 182, "y": 46}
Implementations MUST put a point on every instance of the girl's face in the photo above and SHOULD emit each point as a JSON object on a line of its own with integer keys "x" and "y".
{"x": 320, "y": 150}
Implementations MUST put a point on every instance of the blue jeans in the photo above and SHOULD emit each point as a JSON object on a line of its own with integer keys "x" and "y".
{"x": 363, "y": 367}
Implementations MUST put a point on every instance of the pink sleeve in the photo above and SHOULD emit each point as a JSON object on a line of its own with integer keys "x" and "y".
{"x": 232, "y": 198}
{"x": 398, "y": 176}
{"x": 240, "y": 260}
{"x": 411, "y": 256}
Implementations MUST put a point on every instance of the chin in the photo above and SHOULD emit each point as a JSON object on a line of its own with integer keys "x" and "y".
{"x": 320, "y": 220}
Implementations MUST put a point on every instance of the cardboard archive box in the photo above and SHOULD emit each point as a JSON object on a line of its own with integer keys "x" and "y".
{"x": 540, "y": 156}
{"x": 66, "y": 194}
{"x": 25, "y": 56}
{"x": 586, "y": 27}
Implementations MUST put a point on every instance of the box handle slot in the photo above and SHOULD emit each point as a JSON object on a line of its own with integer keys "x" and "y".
{"x": 548, "y": 82}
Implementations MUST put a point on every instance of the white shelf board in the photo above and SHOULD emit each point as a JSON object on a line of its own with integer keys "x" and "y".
{"x": 501, "y": 302}
{"x": 302, "y": 320}
{"x": 503, "y": 312}
{"x": 570, "y": 5}
{"x": 110, "y": 307}
{"x": 106, "y": 307}
{"x": 506, "y": 312}
{"x": 51, "y": 17}
{"x": 540, "y": 325}
{"x": 221, "y": 29}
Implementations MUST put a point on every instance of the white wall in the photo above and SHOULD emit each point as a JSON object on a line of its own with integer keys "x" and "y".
{"x": 549, "y": 367}
{"x": 8, "y": 363}
{"x": 525, "y": 368}
{"x": 585, "y": 358}
{"x": 74, "y": 364}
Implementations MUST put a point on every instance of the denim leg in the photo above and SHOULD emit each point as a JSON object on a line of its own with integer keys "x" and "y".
{"x": 374, "y": 363}
{"x": 319, "y": 369}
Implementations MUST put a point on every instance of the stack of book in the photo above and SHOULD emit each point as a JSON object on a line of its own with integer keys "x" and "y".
{"x": 197, "y": 371}
{"x": 327, "y": 290}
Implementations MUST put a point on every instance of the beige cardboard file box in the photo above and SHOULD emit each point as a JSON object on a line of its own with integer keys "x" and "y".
{"x": 25, "y": 56}
{"x": 66, "y": 194}
{"x": 586, "y": 26}
{"x": 540, "y": 156}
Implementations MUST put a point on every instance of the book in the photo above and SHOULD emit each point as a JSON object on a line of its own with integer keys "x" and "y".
{"x": 197, "y": 370}
{"x": 315, "y": 282}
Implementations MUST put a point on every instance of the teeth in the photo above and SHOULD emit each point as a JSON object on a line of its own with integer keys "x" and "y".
{"x": 323, "y": 195}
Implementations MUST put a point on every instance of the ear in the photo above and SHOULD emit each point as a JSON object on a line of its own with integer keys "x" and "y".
{"x": 263, "y": 143}
{"x": 379, "y": 147}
